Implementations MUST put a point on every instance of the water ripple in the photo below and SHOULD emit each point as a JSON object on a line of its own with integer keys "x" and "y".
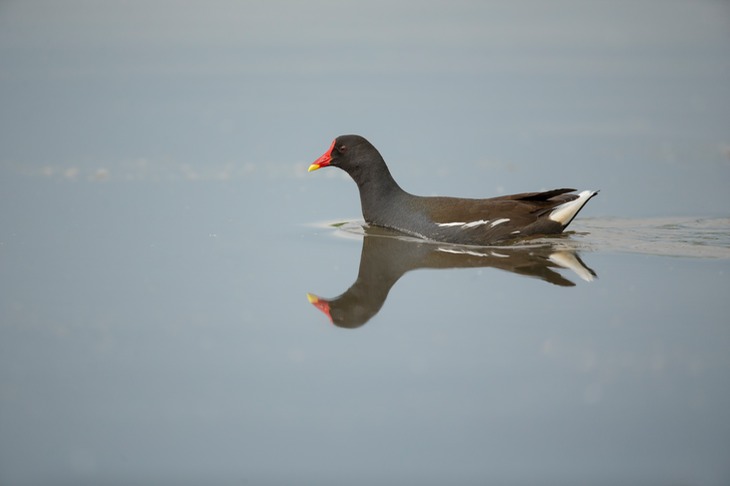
{"x": 670, "y": 236}
{"x": 681, "y": 237}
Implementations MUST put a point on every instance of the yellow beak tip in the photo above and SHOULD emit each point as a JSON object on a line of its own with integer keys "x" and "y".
{"x": 312, "y": 167}
{"x": 313, "y": 299}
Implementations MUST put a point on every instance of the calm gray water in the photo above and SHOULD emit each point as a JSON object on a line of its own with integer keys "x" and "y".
{"x": 160, "y": 242}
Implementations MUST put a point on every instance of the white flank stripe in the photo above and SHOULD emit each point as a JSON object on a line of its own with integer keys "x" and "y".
{"x": 499, "y": 221}
{"x": 476, "y": 223}
{"x": 564, "y": 213}
{"x": 470, "y": 224}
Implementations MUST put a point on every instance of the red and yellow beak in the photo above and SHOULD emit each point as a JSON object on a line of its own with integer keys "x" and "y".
{"x": 324, "y": 160}
{"x": 319, "y": 302}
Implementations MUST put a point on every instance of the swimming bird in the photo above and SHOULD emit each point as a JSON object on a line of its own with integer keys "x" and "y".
{"x": 448, "y": 219}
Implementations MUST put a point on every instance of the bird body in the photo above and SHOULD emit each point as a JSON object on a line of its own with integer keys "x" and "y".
{"x": 448, "y": 219}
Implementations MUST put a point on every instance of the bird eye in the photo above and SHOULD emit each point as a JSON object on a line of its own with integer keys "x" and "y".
{"x": 342, "y": 148}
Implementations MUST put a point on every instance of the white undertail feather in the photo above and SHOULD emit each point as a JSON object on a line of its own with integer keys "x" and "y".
{"x": 565, "y": 213}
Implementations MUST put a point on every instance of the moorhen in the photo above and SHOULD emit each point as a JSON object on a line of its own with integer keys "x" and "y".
{"x": 448, "y": 219}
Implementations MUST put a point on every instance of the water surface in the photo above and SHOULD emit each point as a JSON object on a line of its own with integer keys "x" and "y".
{"x": 159, "y": 237}
{"x": 181, "y": 346}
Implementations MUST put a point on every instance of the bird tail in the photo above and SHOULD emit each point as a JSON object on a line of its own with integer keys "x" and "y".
{"x": 564, "y": 213}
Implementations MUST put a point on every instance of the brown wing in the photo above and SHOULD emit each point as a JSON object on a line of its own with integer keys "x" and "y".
{"x": 498, "y": 218}
{"x": 540, "y": 196}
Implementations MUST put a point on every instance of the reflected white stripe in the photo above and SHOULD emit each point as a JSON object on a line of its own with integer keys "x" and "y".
{"x": 457, "y": 251}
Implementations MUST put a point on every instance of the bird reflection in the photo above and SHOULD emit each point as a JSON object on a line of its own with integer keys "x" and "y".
{"x": 387, "y": 256}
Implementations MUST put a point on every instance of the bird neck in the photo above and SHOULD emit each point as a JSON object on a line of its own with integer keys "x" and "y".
{"x": 379, "y": 194}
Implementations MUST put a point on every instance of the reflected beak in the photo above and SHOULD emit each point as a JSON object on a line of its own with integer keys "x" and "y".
{"x": 324, "y": 160}
{"x": 318, "y": 302}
